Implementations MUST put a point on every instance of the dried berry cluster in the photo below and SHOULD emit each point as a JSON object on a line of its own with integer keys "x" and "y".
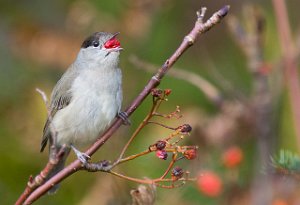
{"x": 164, "y": 147}
{"x": 170, "y": 145}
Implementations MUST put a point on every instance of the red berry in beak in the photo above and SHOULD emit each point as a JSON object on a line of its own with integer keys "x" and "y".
{"x": 112, "y": 43}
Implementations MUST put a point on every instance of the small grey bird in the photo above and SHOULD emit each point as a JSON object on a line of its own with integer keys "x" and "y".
{"x": 87, "y": 97}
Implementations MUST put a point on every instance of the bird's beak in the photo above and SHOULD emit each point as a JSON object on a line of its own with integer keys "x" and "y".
{"x": 114, "y": 35}
{"x": 112, "y": 44}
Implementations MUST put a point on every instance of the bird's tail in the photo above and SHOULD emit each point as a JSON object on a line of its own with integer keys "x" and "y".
{"x": 60, "y": 165}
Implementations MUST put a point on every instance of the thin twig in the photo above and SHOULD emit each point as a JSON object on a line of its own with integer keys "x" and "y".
{"x": 44, "y": 96}
{"x": 156, "y": 104}
{"x": 54, "y": 158}
{"x": 289, "y": 60}
{"x": 137, "y": 131}
{"x": 49, "y": 115}
{"x": 201, "y": 14}
{"x": 134, "y": 156}
{"x": 211, "y": 92}
{"x": 170, "y": 166}
{"x": 162, "y": 125}
{"x": 198, "y": 29}
{"x": 250, "y": 38}
{"x": 153, "y": 181}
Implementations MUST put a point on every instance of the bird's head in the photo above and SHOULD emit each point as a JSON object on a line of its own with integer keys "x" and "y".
{"x": 100, "y": 48}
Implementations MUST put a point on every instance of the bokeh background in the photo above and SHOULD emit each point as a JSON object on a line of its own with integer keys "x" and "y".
{"x": 38, "y": 41}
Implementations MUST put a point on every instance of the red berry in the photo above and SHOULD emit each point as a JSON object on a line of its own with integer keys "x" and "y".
{"x": 162, "y": 154}
{"x": 112, "y": 43}
{"x": 232, "y": 157}
{"x": 210, "y": 184}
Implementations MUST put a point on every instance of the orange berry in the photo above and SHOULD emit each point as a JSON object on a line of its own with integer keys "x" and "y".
{"x": 190, "y": 154}
{"x": 210, "y": 184}
{"x": 168, "y": 92}
{"x": 232, "y": 157}
{"x": 279, "y": 202}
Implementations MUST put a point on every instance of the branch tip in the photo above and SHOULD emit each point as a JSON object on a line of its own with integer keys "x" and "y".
{"x": 42, "y": 93}
{"x": 224, "y": 11}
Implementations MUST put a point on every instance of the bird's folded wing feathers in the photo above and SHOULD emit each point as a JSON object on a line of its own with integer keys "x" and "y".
{"x": 60, "y": 98}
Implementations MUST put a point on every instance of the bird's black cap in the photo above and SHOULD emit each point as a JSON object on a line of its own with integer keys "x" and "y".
{"x": 89, "y": 41}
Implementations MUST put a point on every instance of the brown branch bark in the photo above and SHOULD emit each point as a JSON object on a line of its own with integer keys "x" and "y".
{"x": 188, "y": 41}
{"x": 289, "y": 62}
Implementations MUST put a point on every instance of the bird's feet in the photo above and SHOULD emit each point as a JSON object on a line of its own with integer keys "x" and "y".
{"x": 83, "y": 157}
{"x": 124, "y": 117}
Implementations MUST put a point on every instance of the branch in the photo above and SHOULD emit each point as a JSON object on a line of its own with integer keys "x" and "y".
{"x": 250, "y": 37}
{"x": 188, "y": 41}
{"x": 211, "y": 92}
{"x": 289, "y": 60}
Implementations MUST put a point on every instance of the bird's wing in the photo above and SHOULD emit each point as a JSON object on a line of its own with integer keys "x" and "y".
{"x": 60, "y": 98}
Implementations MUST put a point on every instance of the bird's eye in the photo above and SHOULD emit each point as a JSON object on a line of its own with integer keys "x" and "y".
{"x": 96, "y": 44}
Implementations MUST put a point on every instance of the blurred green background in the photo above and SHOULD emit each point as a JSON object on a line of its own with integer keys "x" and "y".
{"x": 39, "y": 39}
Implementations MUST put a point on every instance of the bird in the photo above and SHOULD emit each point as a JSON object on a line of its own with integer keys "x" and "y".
{"x": 85, "y": 100}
